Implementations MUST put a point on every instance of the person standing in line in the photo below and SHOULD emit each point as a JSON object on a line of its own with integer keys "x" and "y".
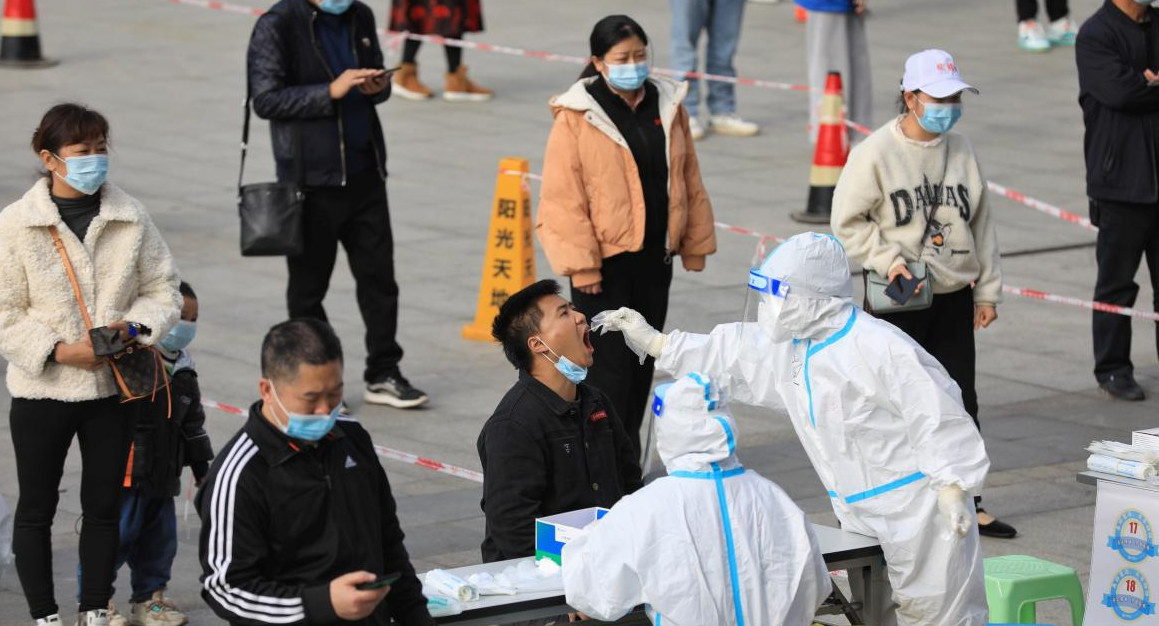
{"x": 1118, "y": 65}
{"x": 60, "y": 388}
{"x": 1060, "y": 31}
{"x": 445, "y": 18}
{"x": 621, "y": 196}
{"x": 914, "y": 191}
{"x": 315, "y": 71}
{"x": 835, "y": 42}
{"x": 722, "y": 20}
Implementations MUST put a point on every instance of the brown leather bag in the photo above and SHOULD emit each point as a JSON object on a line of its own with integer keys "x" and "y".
{"x": 137, "y": 370}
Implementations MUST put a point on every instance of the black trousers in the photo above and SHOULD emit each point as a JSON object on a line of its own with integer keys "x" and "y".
{"x": 1028, "y": 9}
{"x": 1127, "y": 233}
{"x": 42, "y": 431}
{"x": 946, "y": 331}
{"x": 639, "y": 280}
{"x": 358, "y": 216}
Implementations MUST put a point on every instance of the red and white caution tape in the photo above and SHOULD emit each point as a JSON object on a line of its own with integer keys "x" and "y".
{"x": 394, "y": 38}
{"x": 1086, "y": 304}
{"x": 383, "y": 451}
{"x": 1039, "y": 205}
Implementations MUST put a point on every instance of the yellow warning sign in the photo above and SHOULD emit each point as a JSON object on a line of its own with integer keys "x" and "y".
{"x": 509, "y": 263}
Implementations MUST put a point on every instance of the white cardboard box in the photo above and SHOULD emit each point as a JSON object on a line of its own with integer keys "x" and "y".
{"x": 1146, "y": 438}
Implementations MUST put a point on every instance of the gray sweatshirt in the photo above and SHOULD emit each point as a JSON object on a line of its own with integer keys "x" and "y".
{"x": 882, "y": 206}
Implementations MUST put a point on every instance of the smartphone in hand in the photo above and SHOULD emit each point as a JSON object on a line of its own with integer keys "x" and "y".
{"x": 380, "y": 582}
{"x": 901, "y": 289}
{"x": 106, "y": 341}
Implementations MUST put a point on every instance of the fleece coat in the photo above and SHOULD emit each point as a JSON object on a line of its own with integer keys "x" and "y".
{"x": 125, "y": 273}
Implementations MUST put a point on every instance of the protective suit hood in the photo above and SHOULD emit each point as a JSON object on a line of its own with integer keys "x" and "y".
{"x": 693, "y": 427}
{"x": 820, "y": 287}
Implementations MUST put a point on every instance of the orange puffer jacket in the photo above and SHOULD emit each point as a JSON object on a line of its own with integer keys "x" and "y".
{"x": 591, "y": 203}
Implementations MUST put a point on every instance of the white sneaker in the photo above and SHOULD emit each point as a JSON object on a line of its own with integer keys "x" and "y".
{"x": 1062, "y": 32}
{"x": 695, "y": 129}
{"x": 733, "y": 125}
{"x": 1032, "y": 37}
{"x": 51, "y": 620}
{"x": 156, "y": 611}
{"x": 95, "y": 617}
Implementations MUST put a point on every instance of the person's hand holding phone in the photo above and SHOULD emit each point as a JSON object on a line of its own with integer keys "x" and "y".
{"x": 376, "y": 83}
{"x": 350, "y": 79}
{"x": 352, "y": 603}
{"x": 900, "y": 269}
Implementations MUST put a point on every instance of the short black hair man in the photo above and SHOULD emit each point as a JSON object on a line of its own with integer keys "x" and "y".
{"x": 297, "y": 510}
{"x": 554, "y": 444}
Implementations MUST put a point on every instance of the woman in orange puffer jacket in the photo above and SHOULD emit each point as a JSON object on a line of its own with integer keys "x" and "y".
{"x": 621, "y": 196}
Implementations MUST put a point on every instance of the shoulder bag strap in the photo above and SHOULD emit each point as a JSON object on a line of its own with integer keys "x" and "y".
{"x": 80, "y": 299}
{"x": 937, "y": 204}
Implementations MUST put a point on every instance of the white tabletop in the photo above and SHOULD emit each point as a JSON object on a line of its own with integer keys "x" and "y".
{"x": 839, "y": 548}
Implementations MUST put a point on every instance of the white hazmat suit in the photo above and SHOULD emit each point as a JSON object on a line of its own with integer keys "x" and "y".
{"x": 711, "y": 543}
{"x": 881, "y": 420}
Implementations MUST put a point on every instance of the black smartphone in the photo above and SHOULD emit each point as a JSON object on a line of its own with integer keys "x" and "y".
{"x": 106, "y": 341}
{"x": 901, "y": 289}
{"x": 392, "y": 70}
{"x": 380, "y": 582}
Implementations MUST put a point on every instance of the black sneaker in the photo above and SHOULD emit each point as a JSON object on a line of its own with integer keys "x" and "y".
{"x": 394, "y": 391}
{"x": 1122, "y": 387}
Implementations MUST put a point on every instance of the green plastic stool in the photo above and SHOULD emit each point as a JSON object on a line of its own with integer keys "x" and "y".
{"x": 1015, "y": 583}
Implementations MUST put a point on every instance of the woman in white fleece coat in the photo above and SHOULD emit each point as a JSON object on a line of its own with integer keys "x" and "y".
{"x": 59, "y": 388}
{"x": 913, "y": 191}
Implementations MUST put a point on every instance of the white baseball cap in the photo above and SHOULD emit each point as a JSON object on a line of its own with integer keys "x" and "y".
{"x": 934, "y": 72}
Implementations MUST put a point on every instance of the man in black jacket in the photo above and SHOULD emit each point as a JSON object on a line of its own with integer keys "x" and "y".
{"x": 315, "y": 71}
{"x": 554, "y": 444}
{"x": 1117, "y": 52}
{"x": 297, "y": 511}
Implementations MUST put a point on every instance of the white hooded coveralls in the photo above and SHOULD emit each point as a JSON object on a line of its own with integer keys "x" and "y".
{"x": 711, "y": 543}
{"x": 881, "y": 420}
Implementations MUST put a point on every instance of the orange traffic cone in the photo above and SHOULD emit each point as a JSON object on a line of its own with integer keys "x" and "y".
{"x": 20, "y": 37}
{"x": 829, "y": 155}
{"x": 800, "y": 14}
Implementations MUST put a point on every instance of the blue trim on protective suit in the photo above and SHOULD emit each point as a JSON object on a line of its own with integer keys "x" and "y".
{"x": 877, "y": 491}
{"x": 707, "y": 390}
{"x": 727, "y": 433}
{"x": 736, "y": 471}
{"x": 718, "y": 477}
{"x": 810, "y": 350}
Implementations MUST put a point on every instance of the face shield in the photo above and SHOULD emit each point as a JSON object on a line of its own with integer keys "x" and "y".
{"x": 765, "y": 298}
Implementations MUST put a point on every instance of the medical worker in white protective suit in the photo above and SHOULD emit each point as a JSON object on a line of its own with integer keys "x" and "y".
{"x": 711, "y": 543}
{"x": 880, "y": 419}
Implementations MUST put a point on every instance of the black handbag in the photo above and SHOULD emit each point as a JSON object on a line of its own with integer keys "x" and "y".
{"x": 137, "y": 369}
{"x": 271, "y": 213}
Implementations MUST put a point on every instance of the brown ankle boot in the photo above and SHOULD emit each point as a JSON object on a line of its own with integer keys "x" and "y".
{"x": 406, "y": 84}
{"x": 459, "y": 88}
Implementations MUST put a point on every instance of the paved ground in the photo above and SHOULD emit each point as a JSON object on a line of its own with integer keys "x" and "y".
{"x": 170, "y": 78}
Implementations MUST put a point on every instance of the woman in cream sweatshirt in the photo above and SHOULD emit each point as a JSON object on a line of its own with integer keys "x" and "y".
{"x": 913, "y": 191}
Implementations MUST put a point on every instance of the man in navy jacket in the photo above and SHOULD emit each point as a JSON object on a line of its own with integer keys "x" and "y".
{"x": 1118, "y": 64}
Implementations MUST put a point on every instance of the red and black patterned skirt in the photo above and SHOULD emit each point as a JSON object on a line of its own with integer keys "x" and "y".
{"x": 446, "y": 18}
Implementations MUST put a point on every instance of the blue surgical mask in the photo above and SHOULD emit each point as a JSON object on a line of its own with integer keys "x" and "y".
{"x": 180, "y": 337}
{"x": 575, "y": 373}
{"x": 335, "y": 7}
{"x": 939, "y": 118}
{"x": 306, "y": 427}
{"x": 627, "y": 76}
{"x": 86, "y": 173}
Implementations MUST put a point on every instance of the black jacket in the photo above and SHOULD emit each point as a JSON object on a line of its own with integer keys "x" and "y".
{"x": 1120, "y": 110}
{"x": 289, "y": 81}
{"x": 542, "y": 455}
{"x": 279, "y": 522}
{"x": 169, "y": 435}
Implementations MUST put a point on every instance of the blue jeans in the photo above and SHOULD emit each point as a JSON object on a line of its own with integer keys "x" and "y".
{"x": 148, "y": 542}
{"x": 722, "y": 19}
